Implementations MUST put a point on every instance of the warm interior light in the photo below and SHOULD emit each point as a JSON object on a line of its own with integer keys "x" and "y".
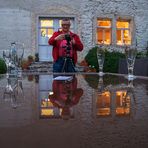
{"x": 50, "y": 32}
{"x": 122, "y": 103}
{"x": 47, "y": 112}
{"x": 104, "y": 23}
{"x": 104, "y": 32}
{"x": 51, "y": 92}
{"x": 122, "y": 24}
{"x": 47, "y": 33}
{"x": 123, "y": 33}
{"x": 43, "y": 32}
{"x": 46, "y": 23}
{"x": 46, "y": 103}
{"x": 103, "y": 104}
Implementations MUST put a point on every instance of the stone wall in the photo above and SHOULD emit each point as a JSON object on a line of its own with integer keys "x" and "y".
{"x": 135, "y": 10}
{"x": 15, "y": 26}
{"x": 19, "y": 19}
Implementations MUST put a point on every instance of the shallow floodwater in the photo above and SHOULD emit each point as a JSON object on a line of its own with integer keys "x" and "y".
{"x": 86, "y": 112}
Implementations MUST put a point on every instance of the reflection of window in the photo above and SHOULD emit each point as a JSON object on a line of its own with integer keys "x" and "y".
{"x": 103, "y": 31}
{"x": 123, "y": 32}
{"x": 47, "y": 109}
{"x": 103, "y": 104}
{"x": 122, "y": 103}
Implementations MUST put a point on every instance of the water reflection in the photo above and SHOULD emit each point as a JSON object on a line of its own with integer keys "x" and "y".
{"x": 63, "y": 96}
{"x": 114, "y": 99}
{"x": 88, "y": 127}
{"x": 13, "y": 89}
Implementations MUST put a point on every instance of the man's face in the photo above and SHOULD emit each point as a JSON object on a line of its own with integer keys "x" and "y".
{"x": 65, "y": 26}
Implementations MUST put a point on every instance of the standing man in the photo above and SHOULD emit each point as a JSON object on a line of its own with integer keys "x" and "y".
{"x": 65, "y": 46}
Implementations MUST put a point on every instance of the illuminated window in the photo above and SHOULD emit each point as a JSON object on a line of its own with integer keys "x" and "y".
{"x": 46, "y": 23}
{"x": 46, "y": 30}
{"x": 103, "y": 104}
{"x": 49, "y": 32}
{"x": 122, "y": 103}
{"x": 103, "y": 31}
{"x": 46, "y": 103}
{"x": 123, "y": 33}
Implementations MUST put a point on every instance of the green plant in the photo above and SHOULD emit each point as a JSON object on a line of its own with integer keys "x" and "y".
{"x": 91, "y": 58}
{"x": 110, "y": 63}
{"x": 3, "y": 67}
{"x": 30, "y": 57}
{"x": 24, "y": 64}
{"x": 92, "y": 80}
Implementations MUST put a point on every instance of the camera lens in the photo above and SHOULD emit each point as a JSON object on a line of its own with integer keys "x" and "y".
{"x": 67, "y": 37}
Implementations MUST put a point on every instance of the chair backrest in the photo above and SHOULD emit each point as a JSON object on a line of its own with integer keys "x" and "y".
{"x": 140, "y": 68}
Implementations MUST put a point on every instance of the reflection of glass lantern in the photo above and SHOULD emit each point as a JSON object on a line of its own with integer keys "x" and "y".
{"x": 11, "y": 92}
{"x": 122, "y": 103}
{"x": 104, "y": 103}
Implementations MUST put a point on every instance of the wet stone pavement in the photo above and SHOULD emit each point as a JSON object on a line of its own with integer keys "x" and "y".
{"x": 88, "y": 111}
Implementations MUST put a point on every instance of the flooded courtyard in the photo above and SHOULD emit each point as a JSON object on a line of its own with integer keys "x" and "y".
{"x": 88, "y": 111}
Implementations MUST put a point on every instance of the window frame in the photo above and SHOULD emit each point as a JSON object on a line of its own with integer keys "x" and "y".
{"x": 123, "y": 29}
{"x": 113, "y": 19}
{"x": 103, "y": 29}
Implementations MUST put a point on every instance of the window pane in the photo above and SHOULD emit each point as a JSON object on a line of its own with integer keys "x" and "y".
{"x": 119, "y": 38}
{"x": 122, "y": 24}
{"x": 127, "y": 37}
{"x": 103, "y": 31}
{"x": 43, "y": 32}
{"x": 47, "y": 112}
{"x": 107, "y": 39}
{"x": 46, "y": 23}
{"x": 49, "y": 33}
{"x": 104, "y": 23}
{"x": 104, "y": 36}
{"x": 43, "y": 37}
{"x": 46, "y": 103}
{"x": 100, "y": 36}
{"x": 60, "y": 21}
{"x": 123, "y": 37}
{"x": 122, "y": 103}
{"x": 103, "y": 104}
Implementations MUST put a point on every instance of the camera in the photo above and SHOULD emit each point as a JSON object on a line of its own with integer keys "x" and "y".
{"x": 67, "y": 38}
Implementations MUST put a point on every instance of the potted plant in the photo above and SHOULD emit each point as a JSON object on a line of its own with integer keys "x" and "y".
{"x": 24, "y": 64}
{"x": 30, "y": 59}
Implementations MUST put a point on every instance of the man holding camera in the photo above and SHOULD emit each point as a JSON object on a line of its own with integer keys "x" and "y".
{"x": 65, "y": 46}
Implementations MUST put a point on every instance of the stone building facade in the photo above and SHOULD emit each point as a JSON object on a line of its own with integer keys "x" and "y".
{"x": 21, "y": 19}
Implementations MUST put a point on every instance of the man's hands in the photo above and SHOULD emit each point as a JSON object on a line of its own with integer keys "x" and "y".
{"x": 73, "y": 41}
{"x": 60, "y": 37}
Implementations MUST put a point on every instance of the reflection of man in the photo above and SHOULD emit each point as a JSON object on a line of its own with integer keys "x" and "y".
{"x": 65, "y": 95}
{"x": 65, "y": 44}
